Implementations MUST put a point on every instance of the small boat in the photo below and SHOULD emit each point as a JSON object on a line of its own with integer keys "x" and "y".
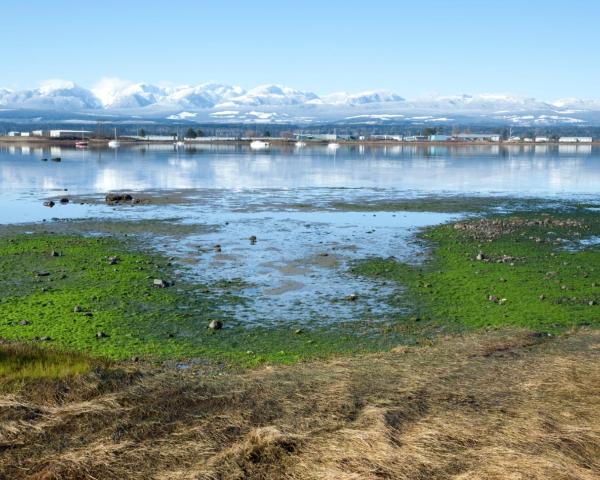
{"x": 300, "y": 144}
{"x": 114, "y": 143}
{"x": 259, "y": 145}
{"x": 333, "y": 146}
{"x": 81, "y": 143}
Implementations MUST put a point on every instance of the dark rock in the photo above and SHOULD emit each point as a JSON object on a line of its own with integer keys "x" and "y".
{"x": 56, "y": 159}
{"x": 118, "y": 197}
{"x": 159, "y": 283}
{"x": 64, "y": 200}
{"x": 44, "y": 159}
{"x": 215, "y": 325}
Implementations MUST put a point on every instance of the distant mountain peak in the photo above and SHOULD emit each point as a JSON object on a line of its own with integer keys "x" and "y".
{"x": 221, "y": 102}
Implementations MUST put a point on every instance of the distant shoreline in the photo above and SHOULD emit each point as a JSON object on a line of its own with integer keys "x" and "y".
{"x": 44, "y": 141}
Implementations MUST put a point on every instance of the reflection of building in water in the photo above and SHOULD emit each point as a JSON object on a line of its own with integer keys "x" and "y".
{"x": 541, "y": 149}
{"x": 575, "y": 149}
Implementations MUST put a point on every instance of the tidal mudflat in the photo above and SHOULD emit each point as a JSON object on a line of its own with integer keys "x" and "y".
{"x": 289, "y": 265}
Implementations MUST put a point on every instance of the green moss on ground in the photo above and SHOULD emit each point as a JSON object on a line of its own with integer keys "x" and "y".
{"x": 534, "y": 273}
{"x": 62, "y": 291}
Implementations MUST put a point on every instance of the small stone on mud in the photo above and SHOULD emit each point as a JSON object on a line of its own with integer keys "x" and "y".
{"x": 215, "y": 325}
{"x": 159, "y": 283}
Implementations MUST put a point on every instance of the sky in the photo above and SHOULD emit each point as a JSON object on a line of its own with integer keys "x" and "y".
{"x": 544, "y": 49}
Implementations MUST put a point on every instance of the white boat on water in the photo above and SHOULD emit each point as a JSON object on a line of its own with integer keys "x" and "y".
{"x": 333, "y": 146}
{"x": 114, "y": 143}
{"x": 259, "y": 145}
{"x": 300, "y": 144}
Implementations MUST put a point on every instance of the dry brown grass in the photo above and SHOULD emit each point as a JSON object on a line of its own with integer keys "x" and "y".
{"x": 486, "y": 406}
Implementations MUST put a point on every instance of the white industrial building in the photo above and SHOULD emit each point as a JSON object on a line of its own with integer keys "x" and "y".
{"x": 575, "y": 139}
{"x": 541, "y": 139}
{"x": 69, "y": 133}
{"x": 470, "y": 137}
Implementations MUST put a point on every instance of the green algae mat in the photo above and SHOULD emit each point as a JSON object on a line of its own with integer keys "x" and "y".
{"x": 112, "y": 297}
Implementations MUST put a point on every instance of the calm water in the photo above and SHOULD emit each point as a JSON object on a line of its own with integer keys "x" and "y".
{"x": 298, "y": 268}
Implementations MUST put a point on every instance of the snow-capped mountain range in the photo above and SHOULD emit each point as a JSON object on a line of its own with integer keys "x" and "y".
{"x": 276, "y": 103}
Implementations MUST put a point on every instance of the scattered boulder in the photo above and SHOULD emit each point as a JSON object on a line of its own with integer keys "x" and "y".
{"x": 42, "y": 274}
{"x": 160, "y": 283}
{"x": 77, "y": 309}
{"x": 542, "y": 297}
{"x": 481, "y": 257}
{"x": 44, "y": 339}
{"x": 215, "y": 325}
{"x": 54, "y": 253}
{"x": 493, "y": 298}
{"x": 64, "y": 200}
{"x": 113, "y": 260}
{"x": 100, "y": 335}
{"x": 24, "y": 323}
{"x": 111, "y": 198}
{"x": 49, "y": 203}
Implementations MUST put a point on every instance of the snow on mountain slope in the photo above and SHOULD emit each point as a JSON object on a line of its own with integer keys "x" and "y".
{"x": 206, "y": 95}
{"x": 269, "y": 95}
{"x": 52, "y": 94}
{"x": 120, "y": 94}
{"x": 363, "y": 98}
{"x": 219, "y": 102}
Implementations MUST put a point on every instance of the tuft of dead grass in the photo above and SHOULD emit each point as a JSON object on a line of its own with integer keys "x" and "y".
{"x": 506, "y": 405}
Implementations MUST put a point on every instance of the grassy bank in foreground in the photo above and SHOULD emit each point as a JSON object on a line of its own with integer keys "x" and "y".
{"x": 492, "y": 405}
{"x": 536, "y": 270}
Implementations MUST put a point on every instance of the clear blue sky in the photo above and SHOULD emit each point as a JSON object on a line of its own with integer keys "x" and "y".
{"x": 547, "y": 49}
